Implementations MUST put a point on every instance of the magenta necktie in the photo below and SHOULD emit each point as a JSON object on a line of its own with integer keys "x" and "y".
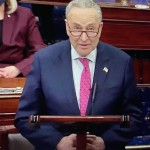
{"x": 85, "y": 86}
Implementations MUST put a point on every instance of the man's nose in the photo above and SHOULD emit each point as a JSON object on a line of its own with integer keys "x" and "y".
{"x": 84, "y": 36}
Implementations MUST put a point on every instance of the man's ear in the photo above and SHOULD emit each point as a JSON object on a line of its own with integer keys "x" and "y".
{"x": 67, "y": 29}
{"x": 65, "y": 20}
{"x": 100, "y": 28}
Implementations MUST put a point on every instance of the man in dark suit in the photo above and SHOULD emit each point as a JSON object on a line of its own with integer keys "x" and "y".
{"x": 19, "y": 39}
{"x": 53, "y": 86}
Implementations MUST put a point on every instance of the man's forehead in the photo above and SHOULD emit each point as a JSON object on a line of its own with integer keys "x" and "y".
{"x": 83, "y": 16}
{"x": 82, "y": 12}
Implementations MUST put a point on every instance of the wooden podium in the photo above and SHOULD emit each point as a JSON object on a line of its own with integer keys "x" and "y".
{"x": 81, "y": 124}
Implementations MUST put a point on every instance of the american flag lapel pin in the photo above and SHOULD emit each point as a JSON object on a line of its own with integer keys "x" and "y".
{"x": 105, "y": 69}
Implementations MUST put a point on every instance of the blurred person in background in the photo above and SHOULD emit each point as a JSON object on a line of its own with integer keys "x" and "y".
{"x": 19, "y": 39}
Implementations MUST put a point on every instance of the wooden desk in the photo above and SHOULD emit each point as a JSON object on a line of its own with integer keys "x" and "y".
{"x": 6, "y": 127}
{"x": 9, "y": 103}
{"x": 8, "y": 107}
{"x": 126, "y": 27}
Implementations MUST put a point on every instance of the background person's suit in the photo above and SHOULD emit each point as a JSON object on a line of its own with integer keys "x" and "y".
{"x": 20, "y": 40}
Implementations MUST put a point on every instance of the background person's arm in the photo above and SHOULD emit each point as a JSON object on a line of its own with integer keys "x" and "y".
{"x": 34, "y": 43}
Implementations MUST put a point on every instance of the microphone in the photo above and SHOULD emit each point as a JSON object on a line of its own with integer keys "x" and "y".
{"x": 93, "y": 96}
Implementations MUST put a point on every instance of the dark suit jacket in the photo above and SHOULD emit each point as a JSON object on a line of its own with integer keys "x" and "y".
{"x": 21, "y": 39}
{"x": 50, "y": 90}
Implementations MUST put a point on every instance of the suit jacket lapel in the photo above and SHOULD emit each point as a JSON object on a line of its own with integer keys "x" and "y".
{"x": 67, "y": 80}
{"x": 101, "y": 72}
{"x": 102, "y": 66}
{"x": 7, "y": 28}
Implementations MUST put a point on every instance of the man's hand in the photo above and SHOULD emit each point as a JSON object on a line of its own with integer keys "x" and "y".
{"x": 9, "y": 72}
{"x": 94, "y": 143}
{"x": 67, "y": 143}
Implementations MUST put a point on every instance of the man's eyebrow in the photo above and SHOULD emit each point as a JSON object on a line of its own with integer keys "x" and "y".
{"x": 76, "y": 24}
{"x": 91, "y": 25}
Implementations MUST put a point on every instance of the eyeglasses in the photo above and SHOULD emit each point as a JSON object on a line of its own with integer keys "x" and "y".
{"x": 88, "y": 33}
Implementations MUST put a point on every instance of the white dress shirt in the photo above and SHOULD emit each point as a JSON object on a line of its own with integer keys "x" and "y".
{"x": 77, "y": 68}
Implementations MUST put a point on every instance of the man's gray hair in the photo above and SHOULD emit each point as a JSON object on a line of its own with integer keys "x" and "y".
{"x": 84, "y": 4}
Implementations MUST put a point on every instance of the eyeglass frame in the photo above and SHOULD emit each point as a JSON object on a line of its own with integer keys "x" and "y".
{"x": 83, "y": 31}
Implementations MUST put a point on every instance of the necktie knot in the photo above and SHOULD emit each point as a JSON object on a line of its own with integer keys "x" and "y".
{"x": 85, "y": 62}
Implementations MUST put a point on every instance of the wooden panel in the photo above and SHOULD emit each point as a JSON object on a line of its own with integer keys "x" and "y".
{"x": 6, "y": 127}
{"x": 127, "y": 35}
{"x": 9, "y": 103}
{"x": 47, "y": 2}
{"x": 12, "y": 82}
{"x": 4, "y": 131}
{"x": 8, "y": 107}
{"x": 142, "y": 71}
{"x": 146, "y": 71}
{"x": 137, "y": 70}
{"x": 127, "y": 28}
{"x": 126, "y": 13}
{"x": 6, "y": 119}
